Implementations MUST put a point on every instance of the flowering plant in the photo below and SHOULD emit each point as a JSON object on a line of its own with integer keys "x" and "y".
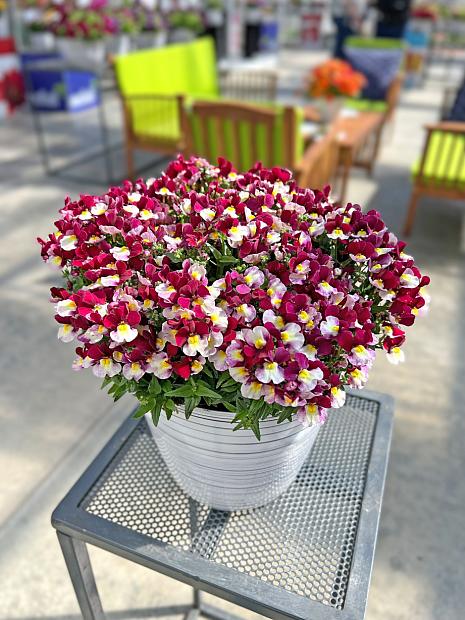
{"x": 241, "y": 291}
{"x": 190, "y": 20}
{"x": 335, "y": 78}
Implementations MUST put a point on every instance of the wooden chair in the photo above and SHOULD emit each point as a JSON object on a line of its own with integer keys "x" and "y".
{"x": 319, "y": 163}
{"x": 151, "y": 123}
{"x": 441, "y": 170}
{"x": 246, "y": 133}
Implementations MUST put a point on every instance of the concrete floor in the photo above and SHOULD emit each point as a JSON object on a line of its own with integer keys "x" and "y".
{"x": 54, "y": 421}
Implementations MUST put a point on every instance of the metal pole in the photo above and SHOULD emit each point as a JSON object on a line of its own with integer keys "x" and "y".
{"x": 80, "y": 570}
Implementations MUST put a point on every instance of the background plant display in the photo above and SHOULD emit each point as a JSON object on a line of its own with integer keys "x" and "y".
{"x": 235, "y": 291}
{"x": 335, "y": 78}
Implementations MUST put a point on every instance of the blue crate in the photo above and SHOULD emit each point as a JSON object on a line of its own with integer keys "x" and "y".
{"x": 55, "y": 88}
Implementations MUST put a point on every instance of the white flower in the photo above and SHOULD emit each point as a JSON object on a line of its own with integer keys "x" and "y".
{"x": 325, "y": 289}
{"x": 131, "y": 209}
{"x": 66, "y": 333}
{"x": 395, "y": 355}
{"x": 145, "y": 215}
{"x": 246, "y": 312}
{"x": 124, "y": 333}
{"x": 254, "y": 277}
{"x": 219, "y": 360}
{"x": 409, "y": 280}
{"x": 66, "y": 307}
{"x": 186, "y": 206}
{"x": 134, "y": 197}
{"x": 159, "y": 365}
{"x": 309, "y": 378}
{"x": 275, "y": 319}
{"x": 219, "y": 318}
{"x": 330, "y": 327}
{"x": 239, "y": 374}
{"x": 121, "y": 253}
{"x": 338, "y": 397}
{"x": 197, "y": 272}
{"x": 292, "y": 336}
{"x": 360, "y": 355}
{"x": 165, "y": 290}
{"x": 112, "y": 280}
{"x": 270, "y": 372}
{"x": 99, "y": 208}
{"x": 106, "y": 367}
{"x": 236, "y": 234}
{"x": 256, "y": 337}
{"x": 133, "y": 371}
{"x": 195, "y": 344}
{"x": 252, "y": 389}
{"x": 207, "y": 214}
{"x": 68, "y": 242}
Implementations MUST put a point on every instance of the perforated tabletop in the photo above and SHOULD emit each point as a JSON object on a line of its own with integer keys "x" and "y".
{"x": 306, "y": 555}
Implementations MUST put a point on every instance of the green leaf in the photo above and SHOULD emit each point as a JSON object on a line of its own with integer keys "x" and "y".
{"x": 106, "y": 382}
{"x": 227, "y": 260}
{"x": 183, "y": 391}
{"x": 142, "y": 410}
{"x": 156, "y": 411}
{"x": 169, "y": 406}
{"x": 204, "y": 390}
{"x": 190, "y": 404}
{"x": 154, "y": 387}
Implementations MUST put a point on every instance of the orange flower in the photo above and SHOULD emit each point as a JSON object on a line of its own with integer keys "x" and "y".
{"x": 335, "y": 78}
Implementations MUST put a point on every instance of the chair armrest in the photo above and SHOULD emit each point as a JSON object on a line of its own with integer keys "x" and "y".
{"x": 447, "y": 127}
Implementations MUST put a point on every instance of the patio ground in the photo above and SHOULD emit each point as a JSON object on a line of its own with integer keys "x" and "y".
{"x": 54, "y": 421}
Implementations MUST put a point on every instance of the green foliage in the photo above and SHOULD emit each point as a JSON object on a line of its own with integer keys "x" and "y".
{"x": 215, "y": 390}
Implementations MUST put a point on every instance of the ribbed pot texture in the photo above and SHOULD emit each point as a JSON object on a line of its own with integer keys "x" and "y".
{"x": 231, "y": 470}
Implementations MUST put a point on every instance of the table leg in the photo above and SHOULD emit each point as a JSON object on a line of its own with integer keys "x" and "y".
{"x": 80, "y": 570}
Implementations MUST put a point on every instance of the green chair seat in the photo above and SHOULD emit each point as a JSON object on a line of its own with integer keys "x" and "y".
{"x": 366, "y": 105}
{"x": 445, "y": 160}
{"x": 375, "y": 43}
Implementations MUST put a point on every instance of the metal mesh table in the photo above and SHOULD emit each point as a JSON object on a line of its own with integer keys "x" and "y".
{"x": 306, "y": 555}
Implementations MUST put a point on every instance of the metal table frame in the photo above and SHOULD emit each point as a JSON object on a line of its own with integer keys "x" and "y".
{"x": 76, "y": 527}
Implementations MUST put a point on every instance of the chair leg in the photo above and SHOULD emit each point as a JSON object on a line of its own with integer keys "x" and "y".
{"x": 411, "y": 212}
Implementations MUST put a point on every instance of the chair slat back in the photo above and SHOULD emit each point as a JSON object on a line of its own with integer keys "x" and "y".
{"x": 241, "y": 132}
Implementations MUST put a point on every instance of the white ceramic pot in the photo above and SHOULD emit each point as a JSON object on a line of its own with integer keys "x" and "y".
{"x": 329, "y": 108}
{"x": 119, "y": 44}
{"x": 181, "y": 35}
{"x": 42, "y": 41}
{"x": 89, "y": 54}
{"x": 149, "y": 40}
{"x": 231, "y": 470}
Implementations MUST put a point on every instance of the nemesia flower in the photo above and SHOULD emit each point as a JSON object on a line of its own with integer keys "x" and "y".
{"x": 243, "y": 285}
